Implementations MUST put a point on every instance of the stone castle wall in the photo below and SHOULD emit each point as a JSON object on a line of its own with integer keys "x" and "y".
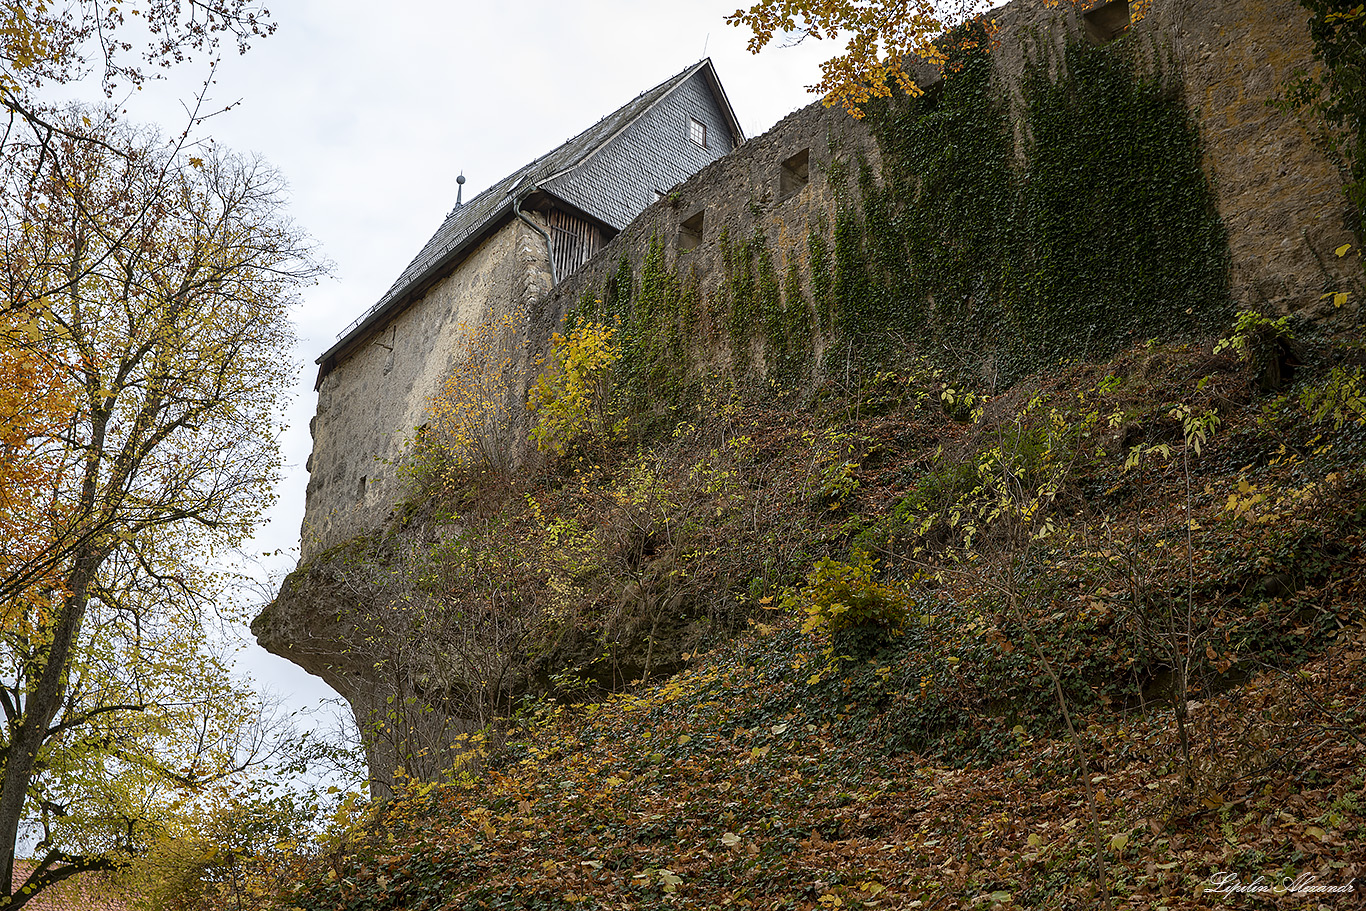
{"x": 1280, "y": 197}
{"x": 371, "y": 403}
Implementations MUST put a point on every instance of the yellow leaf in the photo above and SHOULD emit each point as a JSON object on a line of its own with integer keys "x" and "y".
{"x": 1342, "y": 251}
{"x": 1119, "y": 842}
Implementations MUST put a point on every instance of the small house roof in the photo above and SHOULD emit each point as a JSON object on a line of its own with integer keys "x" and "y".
{"x": 466, "y": 226}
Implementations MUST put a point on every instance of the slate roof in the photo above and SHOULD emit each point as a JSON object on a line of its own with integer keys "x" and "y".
{"x": 555, "y": 172}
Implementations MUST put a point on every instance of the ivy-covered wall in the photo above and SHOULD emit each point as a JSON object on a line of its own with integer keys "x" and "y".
{"x": 1096, "y": 227}
{"x": 983, "y": 251}
{"x": 1048, "y": 200}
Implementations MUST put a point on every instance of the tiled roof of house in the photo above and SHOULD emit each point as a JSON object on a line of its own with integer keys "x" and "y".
{"x": 83, "y": 892}
{"x": 574, "y": 172}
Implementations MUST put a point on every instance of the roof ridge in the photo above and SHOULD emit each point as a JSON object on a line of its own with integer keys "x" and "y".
{"x": 463, "y": 224}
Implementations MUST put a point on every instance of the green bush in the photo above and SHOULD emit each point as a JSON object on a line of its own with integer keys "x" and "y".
{"x": 843, "y": 601}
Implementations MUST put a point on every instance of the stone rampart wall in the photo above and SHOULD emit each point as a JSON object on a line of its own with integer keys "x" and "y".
{"x": 372, "y": 402}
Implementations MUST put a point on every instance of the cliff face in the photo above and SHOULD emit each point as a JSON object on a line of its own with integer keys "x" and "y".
{"x": 1049, "y": 202}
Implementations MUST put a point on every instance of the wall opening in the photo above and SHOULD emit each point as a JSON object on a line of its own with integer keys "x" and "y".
{"x": 574, "y": 240}
{"x": 1106, "y": 22}
{"x": 794, "y": 174}
{"x": 690, "y": 232}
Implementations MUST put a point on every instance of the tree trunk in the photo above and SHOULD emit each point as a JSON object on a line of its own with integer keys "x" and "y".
{"x": 38, "y": 711}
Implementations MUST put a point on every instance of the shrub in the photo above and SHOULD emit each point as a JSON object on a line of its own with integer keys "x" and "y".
{"x": 843, "y": 601}
{"x": 573, "y": 398}
{"x": 469, "y": 420}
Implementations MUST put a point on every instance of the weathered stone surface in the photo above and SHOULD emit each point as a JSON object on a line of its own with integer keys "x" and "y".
{"x": 371, "y": 403}
{"x": 1279, "y": 196}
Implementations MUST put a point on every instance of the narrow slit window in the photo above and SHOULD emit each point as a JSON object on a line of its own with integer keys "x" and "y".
{"x": 1106, "y": 22}
{"x": 697, "y": 131}
{"x": 690, "y": 233}
{"x": 794, "y": 173}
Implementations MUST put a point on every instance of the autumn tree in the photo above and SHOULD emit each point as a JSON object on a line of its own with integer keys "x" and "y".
{"x": 45, "y": 44}
{"x": 159, "y": 327}
{"x": 884, "y": 39}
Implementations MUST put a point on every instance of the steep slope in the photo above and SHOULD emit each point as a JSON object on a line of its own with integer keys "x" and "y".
{"x": 1179, "y": 547}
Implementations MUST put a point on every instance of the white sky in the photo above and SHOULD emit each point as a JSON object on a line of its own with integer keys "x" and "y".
{"x": 370, "y": 116}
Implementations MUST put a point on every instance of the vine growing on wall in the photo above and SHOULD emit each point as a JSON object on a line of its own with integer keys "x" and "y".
{"x": 1123, "y": 239}
{"x": 1000, "y": 259}
{"x": 995, "y": 241}
{"x": 1335, "y": 97}
{"x": 656, "y": 312}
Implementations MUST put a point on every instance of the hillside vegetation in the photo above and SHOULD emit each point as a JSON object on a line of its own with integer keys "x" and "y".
{"x": 938, "y": 562}
{"x": 1104, "y": 630}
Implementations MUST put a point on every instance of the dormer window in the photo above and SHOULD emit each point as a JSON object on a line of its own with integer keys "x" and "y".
{"x": 697, "y": 132}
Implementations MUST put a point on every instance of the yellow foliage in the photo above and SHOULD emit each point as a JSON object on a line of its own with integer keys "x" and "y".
{"x": 573, "y": 397}
{"x": 469, "y": 421}
{"x": 35, "y": 404}
{"x": 1341, "y": 397}
{"x": 883, "y": 38}
{"x": 842, "y": 596}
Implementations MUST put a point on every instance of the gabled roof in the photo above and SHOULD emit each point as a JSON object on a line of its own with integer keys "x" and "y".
{"x": 468, "y": 225}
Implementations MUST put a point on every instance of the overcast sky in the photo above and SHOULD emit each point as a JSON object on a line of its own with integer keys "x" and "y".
{"x": 370, "y": 117}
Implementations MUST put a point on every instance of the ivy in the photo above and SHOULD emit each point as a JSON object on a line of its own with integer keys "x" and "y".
{"x": 1123, "y": 238}
{"x": 1335, "y": 98}
{"x": 797, "y": 325}
{"x": 818, "y": 257}
{"x": 738, "y": 262}
{"x": 851, "y": 289}
{"x": 657, "y": 313}
{"x": 1004, "y": 259}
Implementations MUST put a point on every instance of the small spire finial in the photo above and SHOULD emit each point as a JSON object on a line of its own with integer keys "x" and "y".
{"x": 459, "y": 189}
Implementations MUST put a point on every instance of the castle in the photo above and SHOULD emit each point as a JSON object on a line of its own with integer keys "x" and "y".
{"x": 500, "y": 253}
{"x": 556, "y": 233}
